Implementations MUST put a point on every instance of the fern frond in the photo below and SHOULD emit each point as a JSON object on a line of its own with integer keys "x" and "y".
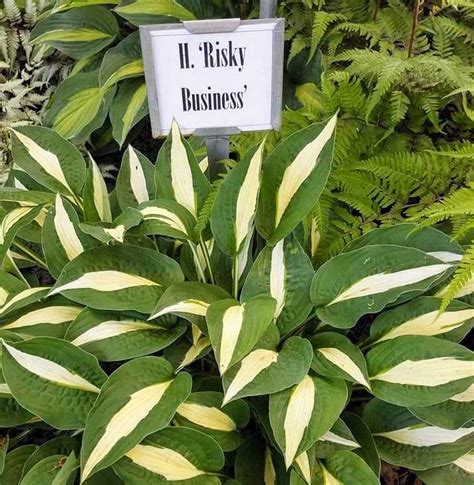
{"x": 205, "y": 213}
{"x": 321, "y": 23}
{"x": 399, "y": 104}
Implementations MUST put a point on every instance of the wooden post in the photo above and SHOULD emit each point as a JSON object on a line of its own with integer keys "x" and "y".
{"x": 218, "y": 145}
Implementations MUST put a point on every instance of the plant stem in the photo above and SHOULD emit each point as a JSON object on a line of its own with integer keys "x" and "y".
{"x": 207, "y": 257}
{"x": 30, "y": 254}
{"x": 235, "y": 277}
{"x": 377, "y": 9}
{"x": 414, "y": 24}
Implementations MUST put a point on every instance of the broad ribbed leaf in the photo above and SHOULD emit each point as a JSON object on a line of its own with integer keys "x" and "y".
{"x": 419, "y": 371}
{"x": 177, "y": 455}
{"x": 234, "y": 329}
{"x": 14, "y": 463}
{"x": 118, "y": 278}
{"x": 203, "y": 411}
{"x": 112, "y": 336}
{"x": 79, "y": 33}
{"x": 305, "y": 412}
{"x": 141, "y": 12}
{"x": 404, "y": 440}
{"x": 135, "y": 183}
{"x": 338, "y": 438}
{"x": 368, "y": 279}
{"x": 460, "y": 472}
{"x": 11, "y": 413}
{"x": 129, "y": 107}
{"x": 283, "y": 271}
{"x": 294, "y": 176}
{"x": 52, "y": 379}
{"x": 184, "y": 352}
{"x": 336, "y": 356}
{"x": 62, "y": 239}
{"x": 138, "y": 399}
{"x": 17, "y": 301}
{"x": 96, "y": 198}
{"x": 266, "y": 371}
{"x": 178, "y": 176}
{"x": 9, "y": 286}
{"x": 421, "y": 316}
{"x": 189, "y": 300}
{"x": 235, "y": 206}
{"x": 28, "y": 197}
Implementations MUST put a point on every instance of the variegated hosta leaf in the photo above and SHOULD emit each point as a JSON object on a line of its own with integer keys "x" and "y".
{"x": 9, "y": 286}
{"x": 235, "y": 206}
{"x": 45, "y": 319}
{"x": 12, "y": 222}
{"x": 58, "y": 468}
{"x": 177, "y": 174}
{"x": 401, "y": 438}
{"x": 166, "y": 218}
{"x": 189, "y": 300}
{"x": 78, "y": 33}
{"x": 49, "y": 159}
{"x": 203, "y": 411}
{"x": 140, "y": 12}
{"x": 450, "y": 414}
{"x": 340, "y": 468}
{"x": 139, "y": 398}
{"x": 122, "y": 61}
{"x": 52, "y": 379}
{"x": 303, "y": 413}
{"x": 419, "y": 371}
{"x": 25, "y": 197}
{"x": 266, "y": 371}
{"x": 294, "y": 176}
{"x": 429, "y": 240}
{"x": 112, "y": 337}
{"x": 284, "y": 271}
{"x": 129, "y": 107}
{"x": 17, "y": 301}
{"x": 234, "y": 328}
{"x": 96, "y": 197}
{"x": 79, "y": 106}
{"x": 460, "y": 472}
{"x": 135, "y": 183}
{"x": 336, "y": 356}
{"x": 62, "y": 240}
{"x": 184, "y": 352}
{"x": 421, "y": 316}
{"x": 176, "y": 455}
{"x": 368, "y": 279}
{"x": 338, "y": 438}
{"x": 11, "y": 413}
{"x": 118, "y": 278}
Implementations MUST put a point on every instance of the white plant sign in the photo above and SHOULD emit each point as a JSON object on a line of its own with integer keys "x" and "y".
{"x": 214, "y": 76}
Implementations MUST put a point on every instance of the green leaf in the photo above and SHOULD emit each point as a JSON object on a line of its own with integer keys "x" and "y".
{"x": 139, "y": 398}
{"x": 80, "y": 32}
{"x": 266, "y": 371}
{"x": 177, "y": 455}
{"x": 422, "y": 316}
{"x": 338, "y": 438}
{"x": 459, "y": 472}
{"x": 49, "y": 159}
{"x": 303, "y": 413}
{"x": 122, "y": 61}
{"x": 430, "y": 240}
{"x": 189, "y": 300}
{"x": 11, "y": 194}
{"x": 129, "y": 107}
{"x": 203, "y": 411}
{"x": 141, "y": 12}
{"x": 368, "y": 279}
{"x": 79, "y": 106}
{"x": 18, "y": 300}
{"x": 11, "y": 413}
{"x": 4, "y": 441}
{"x": 118, "y": 278}
{"x": 96, "y": 198}
{"x": 235, "y": 206}
{"x": 14, "y": 464}
{"x": 62, "y": 240}
{"x": 52, "y": 379}
{"x": 178, "y": 176}
{"x": 113, "y": 337}
{"x": 336, "y": 356}
{"x": 49, "y": 469}
{"x": 135, "y": 182}
{"x": 419, "y": 371}
{"x": 404, "y": 440}
{"x": 294, "y": 176}
{"x": 9, "y": 286}
{"x": 183, "y": 352}
{"x": 285, "y": 273}
{"x": 234, "y": 329}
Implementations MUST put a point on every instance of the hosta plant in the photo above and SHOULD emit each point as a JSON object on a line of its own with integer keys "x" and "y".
{"x": 174, "y": 330}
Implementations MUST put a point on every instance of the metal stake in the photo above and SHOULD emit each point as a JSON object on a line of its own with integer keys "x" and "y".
{"x": 268, "y": 8}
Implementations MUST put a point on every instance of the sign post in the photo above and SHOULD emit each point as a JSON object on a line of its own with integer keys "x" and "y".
{"x": 215, "y": 77}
